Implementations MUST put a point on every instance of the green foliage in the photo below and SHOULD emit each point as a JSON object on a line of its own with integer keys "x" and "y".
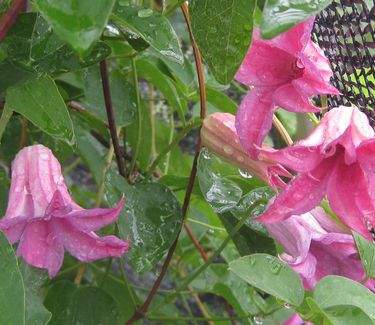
{"x": 223, "y": 32}
{"x": 12, "y": 297}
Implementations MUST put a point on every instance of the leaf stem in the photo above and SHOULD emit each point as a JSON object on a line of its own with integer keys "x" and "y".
{"x": 139, "y": 117}
{"x": 111, "y": 118}
{"x": 281, "y": 129}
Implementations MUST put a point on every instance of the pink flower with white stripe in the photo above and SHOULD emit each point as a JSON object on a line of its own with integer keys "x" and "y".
{"x": 43, "y": 217}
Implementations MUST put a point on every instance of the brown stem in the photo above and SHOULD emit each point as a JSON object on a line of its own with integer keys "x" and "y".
{"x": 9, "y": 18}
{"x": 142, "y": 310}
{"x": 25, "y": 123}
{"x": 111, "y": 117}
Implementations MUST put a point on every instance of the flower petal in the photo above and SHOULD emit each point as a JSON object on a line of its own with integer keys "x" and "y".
{"x": 13, "y": 228}
{"x": 87, "y": 246}
{"x": 297, "y": 157}
{"x": 254, "y": 119}
{"x": 302, "y": 194}
{"x": 94, "y": 219}
{"x": 295, "y": 39}
{"x": 265, "y": 65}
{"x": 342, "y": 191}
{"x": 291, "y": 99}
{"x": 295, "y": 319}
{"x": 40, "y": 247}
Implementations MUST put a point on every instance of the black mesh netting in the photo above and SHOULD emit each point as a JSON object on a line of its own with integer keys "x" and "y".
{"x": 345, "y": 31}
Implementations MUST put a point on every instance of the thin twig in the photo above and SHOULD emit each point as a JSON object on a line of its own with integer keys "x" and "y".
{"x": 281, "y": 129}
{"x": 111, "y": 118}
{"x": 9, "y": 18}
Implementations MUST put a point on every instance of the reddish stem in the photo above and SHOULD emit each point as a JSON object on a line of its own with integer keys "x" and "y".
{"x": 111, "y": 118}
{"x": 9, "y": 18}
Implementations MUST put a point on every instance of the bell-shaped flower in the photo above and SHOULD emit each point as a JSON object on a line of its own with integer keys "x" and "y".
{"x": 337, "y": 160}
{"x": 315, "y": 246}
{"x": 285, "y": 72}
{"x": 295, "y": 319}
{"x": 219, "y": 134}
{"x": 42, "y": 216}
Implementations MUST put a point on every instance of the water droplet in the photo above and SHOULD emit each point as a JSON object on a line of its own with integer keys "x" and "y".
{"x": 228, "y": 149}
{"x": 44, "y": 156}
{"x": 245, "y": 174}
{"x": 211, "y": 231}
{"x": 369, "y": 225}
{"x": 144, "y": 13}
{"x": 206, "y": 154}
{"x": 258, "y": 320}
{"x": 240, "y": 159}
{"x": 287, "y": 306}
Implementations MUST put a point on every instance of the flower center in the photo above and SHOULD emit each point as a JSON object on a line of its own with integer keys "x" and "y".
{"x": 297, "y": 68}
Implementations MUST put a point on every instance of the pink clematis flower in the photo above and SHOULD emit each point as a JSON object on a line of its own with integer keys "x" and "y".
{"x": 285, "y": 72}
{"x": 337, "y": 160}
{"x": 315, "y": 246}
{"x": 42, "y": 216}
{"x": 218, "y": 133}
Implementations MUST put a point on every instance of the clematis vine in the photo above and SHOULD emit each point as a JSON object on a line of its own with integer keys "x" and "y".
{"x": 218, "y": 133}
{"x": 337, "y": 160}
{"x": 43, "y": 217}
{"x": 315, "y": 246}
{"x": 285, "y": 72}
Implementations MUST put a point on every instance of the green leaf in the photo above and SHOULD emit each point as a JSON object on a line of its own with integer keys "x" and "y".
{"x": 218, "y": 280}
{"x": 347, "y": 315}
{"x": 152, "y": 74}
{"x": 150, "y": 26}
{"x": 366, "y": 250}
{"x": 351, "y": 293}
{"x": 122, "y": 94}
{"x": 33, "y": 45}
{"x": 12, "y": 292}
{"x": 4, "y": 189}
{"x": 222, "y": 30}
{"x": 270, "y": 275}
{"x": 70, "y": 304}
{"x": 151, "y": 219}
{"x": 33, "y": 279}
{"x": 39, "y": 100}
{"x": 78, "y": 22}
{"x": 221, "y": 101}
{"x": 280, "y": 15}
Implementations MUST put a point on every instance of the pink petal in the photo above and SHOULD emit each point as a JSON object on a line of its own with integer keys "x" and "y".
{"x": 316, "y": 55}
{"x": 296, "y": 157}
{"x": 293, "y": 237}
{"x": 312, "y": 82}
{"x": 36, "y": 175}
{"x": 254, "y": 119}
{"x": 343, "y": 189}
{"x": 292, "y": 99}
{"x": 87, "y": 246}
{"x": 302, "y": 194}
{"x": 13, "y": 228}
{"x": 40, "y": 247}
{"x": 94, "y": 219}
{"x": 296, "y": 320}
{"x": 266, "y": 65}
{"x": 295, "y": 39}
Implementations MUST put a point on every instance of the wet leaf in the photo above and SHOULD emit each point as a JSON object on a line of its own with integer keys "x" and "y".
{"x": 39, "y": 100}
{"x": 366, "y": 250}
{"x": 281, "y": 15}
{"x": 12, "y": 297}
{"x": 78, "y": 22}
{"x": 351, "y": 294}
{"x": 270, "y": 275}
{"x": 33, "y": 279}
{"x": 70, "y": 304}
{"x": 151, "y": 219}
{"x": 33, "y": 45}
{"x": 150, "y": 26}
{"x": 222, "y": 30}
